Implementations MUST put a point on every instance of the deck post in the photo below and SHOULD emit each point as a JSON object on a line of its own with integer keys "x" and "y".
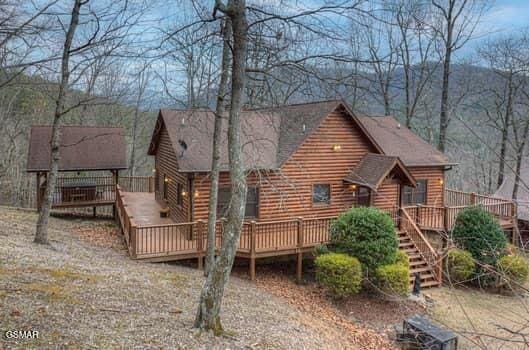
{"x": 151, "y": 184}
{"x": 253, "y": 225}
{"x": 39, "y": 199}
{"x": 133, "y": 239}
{"x": 473, "y": 198}
{"x": 445, "y": 219}
{"x": 200, "y": 241}
{"x": 299, "y": 259}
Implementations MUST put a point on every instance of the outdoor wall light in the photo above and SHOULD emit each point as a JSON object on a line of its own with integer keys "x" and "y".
{"x": 195, "y": 194}
{"x": 352, "y": 187}
{"x": 336, "y": 148}
{"x": 441, "y": 181}
{"x": 153, "y": 170}
{"x": 184, "y": 193}
{"x": 166, "y": 179}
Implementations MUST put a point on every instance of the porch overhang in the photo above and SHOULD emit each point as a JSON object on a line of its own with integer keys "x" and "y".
{"x": 374, "y": 169}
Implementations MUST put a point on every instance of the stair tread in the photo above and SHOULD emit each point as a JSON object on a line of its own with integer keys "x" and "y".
{"x": 420, "y": 269}
{"x": 429, "y": 284}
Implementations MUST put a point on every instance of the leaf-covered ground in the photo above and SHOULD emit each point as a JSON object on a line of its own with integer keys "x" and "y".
{"x": 84, "y": 292}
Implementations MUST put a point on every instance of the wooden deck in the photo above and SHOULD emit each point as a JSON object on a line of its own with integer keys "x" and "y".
{"x": 152, "y": 238}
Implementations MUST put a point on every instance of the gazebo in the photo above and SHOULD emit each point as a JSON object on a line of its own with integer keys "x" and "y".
{"x": 86, "y": 153}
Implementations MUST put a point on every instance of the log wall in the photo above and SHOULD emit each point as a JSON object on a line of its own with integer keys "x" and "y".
{"x": 166, "y": 165}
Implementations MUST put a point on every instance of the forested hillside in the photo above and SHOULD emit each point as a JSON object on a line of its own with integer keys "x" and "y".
{"x": 28, "y": 100}
{"x": 388, "y": 58}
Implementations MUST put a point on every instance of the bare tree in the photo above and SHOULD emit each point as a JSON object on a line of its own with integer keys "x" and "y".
{"x": 41, "y": 234}
{"x": 505, "y": 57}
{"x": 454, "y": 22}
{"x": 415, "y": 48}
{"x": 208, "y": 315}
{"x": 215, "y": 160}
{"x": 142, "y": 81}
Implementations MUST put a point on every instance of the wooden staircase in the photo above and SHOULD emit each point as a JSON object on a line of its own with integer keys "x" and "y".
{"x": 417, "y": 262}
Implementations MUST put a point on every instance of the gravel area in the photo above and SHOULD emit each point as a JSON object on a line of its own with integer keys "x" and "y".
{"x": 84, "y": 292}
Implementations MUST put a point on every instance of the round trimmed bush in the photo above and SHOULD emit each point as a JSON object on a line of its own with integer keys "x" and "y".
{"x": 367, "y": 234}
{"x": 340, "y": 273}
{"x": 479, "y": 233}
{"x": 402, "y": 258}
{"x": 393, "y": 279}
{"x": 514, "y": 267}
{"x": 460, "y": 265}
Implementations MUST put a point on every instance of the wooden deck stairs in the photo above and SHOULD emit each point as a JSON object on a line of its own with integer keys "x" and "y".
{"x": 417, "y": 262}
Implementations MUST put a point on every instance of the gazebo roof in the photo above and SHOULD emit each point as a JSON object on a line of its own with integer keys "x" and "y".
{"x": 82, "y": 148}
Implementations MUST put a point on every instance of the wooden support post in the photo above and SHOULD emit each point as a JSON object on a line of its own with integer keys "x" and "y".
{"x": 39, "y": 197}
{"x": 473, "y": 198}
{"x": 445, "y": 219}
{"x": 132, "y": 240}
{"x": 253, "y": 225}
{"x": 200, "y": 241}
{"x": 399, "y": 215}
{"x": 299, "y": 262}
{"x": 94, "y": 211}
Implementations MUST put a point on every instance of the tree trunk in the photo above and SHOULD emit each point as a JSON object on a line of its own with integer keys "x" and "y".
{"x": 219, "y": 114}
{"x": 519, "y": 160}
{"x": 505, "y": 132}
{"x": 443, "y": 120}
{"x": 208, "y": 314}
{"x": 41, "y": 234}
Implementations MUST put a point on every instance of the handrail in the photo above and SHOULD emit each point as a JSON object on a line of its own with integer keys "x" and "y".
{"x": 418, "y": 231}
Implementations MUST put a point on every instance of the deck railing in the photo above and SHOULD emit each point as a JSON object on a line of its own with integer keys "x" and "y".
{"x": 152, "y": 241}
{"x": 256, "y": 237}
{"x": 444, "y": 218}
{"x": 79, "y": 191}
{"x": 137, "y": 183}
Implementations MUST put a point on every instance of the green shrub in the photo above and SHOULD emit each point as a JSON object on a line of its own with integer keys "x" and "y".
{"x": 367, "y": 234}
{"x": 393, "y": 279}
{"x": 479, "y": 233}
{"x": 402, "y": 258}
{"x": 340, "y": 273}
{"x": 514, "y": 267}
{"x": 460, "y": 265}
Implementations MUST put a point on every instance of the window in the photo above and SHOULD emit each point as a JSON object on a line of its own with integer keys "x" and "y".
{"x": 363, "y": 196}
{"x": 165, "y": 186}
{"x": 252, "y": 202}
{"x": 179, "y": 194}
{"x": 321, "y": 194}
{"x": 415, "y": 195}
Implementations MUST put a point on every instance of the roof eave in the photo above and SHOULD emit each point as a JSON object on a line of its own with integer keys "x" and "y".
{"x": 35, "y": 170}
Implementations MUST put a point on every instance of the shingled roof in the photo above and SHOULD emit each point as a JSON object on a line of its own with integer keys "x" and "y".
{"x": 397, "y": 140}
{"x": 271, "y": 135}
{"x": 82, "y": 148}
{"x": 373, "y": 169}
{"x": 506, "y": 188}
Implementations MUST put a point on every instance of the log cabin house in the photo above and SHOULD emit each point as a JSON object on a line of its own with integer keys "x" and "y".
{"x": 305, "y": 163}
{"x": 306, "y": 160}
